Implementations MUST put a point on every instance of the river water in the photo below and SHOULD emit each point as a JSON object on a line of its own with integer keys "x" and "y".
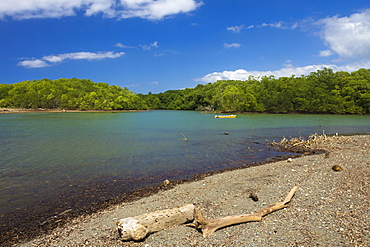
{"x": 52, "y": 162}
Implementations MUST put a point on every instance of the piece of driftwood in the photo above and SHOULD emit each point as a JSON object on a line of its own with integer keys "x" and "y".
{"x": 185, "y": 139}
{"x": 138, "y": 227}
{"x": 210, "y": 226}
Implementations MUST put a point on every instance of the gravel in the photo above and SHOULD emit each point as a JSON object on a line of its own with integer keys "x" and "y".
{"x": 330, "y": 208}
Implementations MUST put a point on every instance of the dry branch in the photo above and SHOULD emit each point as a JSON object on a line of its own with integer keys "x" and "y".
{"x": 300, "y": 144}
{"x": 138, "y": 227}
{"x": 210, "y": 226}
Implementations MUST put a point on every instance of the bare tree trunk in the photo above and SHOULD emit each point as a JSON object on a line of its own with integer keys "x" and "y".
{"x": 138, "y": 227}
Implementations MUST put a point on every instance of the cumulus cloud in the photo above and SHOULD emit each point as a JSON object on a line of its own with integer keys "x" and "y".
{"x": 232, "y": 45}
{"x": 148, "y": 9}
{"x": 349, "y": 37}
{"x": 286, "y": 71}
{"x": 52, "y": 59}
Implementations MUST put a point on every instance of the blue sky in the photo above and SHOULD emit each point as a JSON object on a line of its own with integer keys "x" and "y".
{"x": 158, "y": 45}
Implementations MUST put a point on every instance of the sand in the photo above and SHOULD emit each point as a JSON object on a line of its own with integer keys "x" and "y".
{"x": 330, "y": 208}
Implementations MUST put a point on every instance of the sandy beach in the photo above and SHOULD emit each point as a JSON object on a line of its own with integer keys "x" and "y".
{"x": 330, "y": 208}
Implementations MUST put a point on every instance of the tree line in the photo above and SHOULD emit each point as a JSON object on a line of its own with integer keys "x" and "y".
{"x": 323, "y": 91}
{"x": 72, "y": 93}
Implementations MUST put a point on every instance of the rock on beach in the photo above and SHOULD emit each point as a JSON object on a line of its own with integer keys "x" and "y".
{"x": 329, "y": 209}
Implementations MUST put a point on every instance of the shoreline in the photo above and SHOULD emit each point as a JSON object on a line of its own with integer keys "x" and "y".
{"x": 41, "y": 110}
{"x": 48, "y": 222}
{"x": 6, "y": 110}
{"x": 329, "y": 207}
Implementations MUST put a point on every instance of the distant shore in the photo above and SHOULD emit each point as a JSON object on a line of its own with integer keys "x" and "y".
{"x": 40, "y": 110}
{"x": 330, "y": 207}
{"x": 25, "y": 110}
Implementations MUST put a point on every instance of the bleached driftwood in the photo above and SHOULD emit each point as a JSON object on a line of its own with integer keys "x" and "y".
{"x": 210, "y": 226}
{"x": 138, "y": 227}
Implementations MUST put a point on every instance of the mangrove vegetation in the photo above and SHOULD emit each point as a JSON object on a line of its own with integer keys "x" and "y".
{"x": 323, "y": 91}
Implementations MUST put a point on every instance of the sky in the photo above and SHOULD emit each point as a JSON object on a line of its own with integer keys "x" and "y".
{"x": 159, "y": 45}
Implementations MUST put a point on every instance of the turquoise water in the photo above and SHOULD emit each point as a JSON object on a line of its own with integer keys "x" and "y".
{"x": 49, "y": 159}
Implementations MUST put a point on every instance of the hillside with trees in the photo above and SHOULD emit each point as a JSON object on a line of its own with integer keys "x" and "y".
{"x": 323, "y": 91}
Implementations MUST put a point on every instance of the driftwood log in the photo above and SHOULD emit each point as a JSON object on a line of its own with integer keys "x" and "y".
{"x": 138, "y": 227}
{"x": 210, "y": 226}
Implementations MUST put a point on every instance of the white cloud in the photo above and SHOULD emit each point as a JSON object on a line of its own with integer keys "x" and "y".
{"x": 25, "y": 9}
{"x": 283, "y": 25}
{"x": 132, "y": 85}
{"x": 276, "y": 25}
{"x": 149, "y": 47}
{"x": 35, "y": 63}
{"x": 48, "y": 60}
{"x": 279, "y": 25}
{"x": 82, "y": 56}
{"x": 326, "y": 53}
{"x": 156, "y": 9}
{"x": 148, "y": 9}
{"x": 235, "y": 29}
{"x": 349, "y": 37}
{"x": 232, "y": 45}
{"x": 120, "y": 45}
{"x": 286, "y": 71}
{"x": 154, "y": 44}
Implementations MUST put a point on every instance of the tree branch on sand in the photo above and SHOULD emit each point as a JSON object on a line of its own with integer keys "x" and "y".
{"x": 139, "y": 227}
{"x": 210, "y": 226}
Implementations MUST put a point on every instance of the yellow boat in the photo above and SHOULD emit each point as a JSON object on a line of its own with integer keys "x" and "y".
{"x": 225, "y": 116}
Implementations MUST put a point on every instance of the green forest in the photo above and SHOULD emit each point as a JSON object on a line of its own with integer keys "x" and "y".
{"x": 323, "y": 91}
{"x": 73, "y": 93}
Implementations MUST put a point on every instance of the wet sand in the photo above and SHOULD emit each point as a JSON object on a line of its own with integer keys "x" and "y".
{"x": 330, "y": 208}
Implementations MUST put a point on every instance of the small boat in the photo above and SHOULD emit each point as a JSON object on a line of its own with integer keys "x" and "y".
{"x": 225, "y": 116}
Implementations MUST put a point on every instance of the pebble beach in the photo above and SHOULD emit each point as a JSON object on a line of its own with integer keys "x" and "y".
{"x": 330, "y": 208}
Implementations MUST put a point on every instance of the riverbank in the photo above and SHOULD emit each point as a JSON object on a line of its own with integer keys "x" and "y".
{"x": 330, "y": 207}
{"x": 24, "y": 110}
